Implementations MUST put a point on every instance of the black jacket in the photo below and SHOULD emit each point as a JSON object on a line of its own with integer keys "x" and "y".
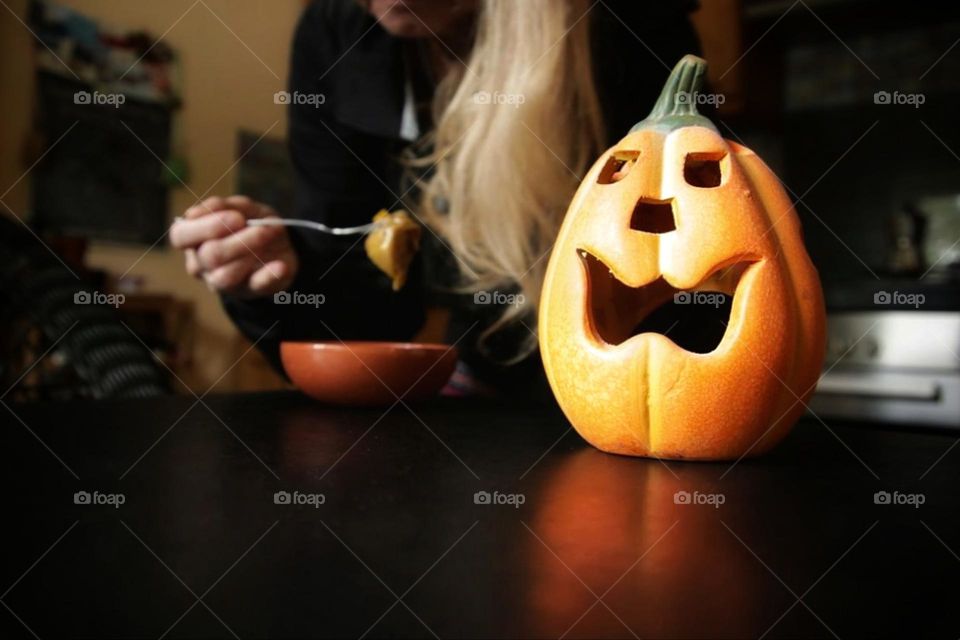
{"x": 345, "y": 155}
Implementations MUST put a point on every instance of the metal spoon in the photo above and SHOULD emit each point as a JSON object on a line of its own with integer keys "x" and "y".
{"x": 316, "y": 226}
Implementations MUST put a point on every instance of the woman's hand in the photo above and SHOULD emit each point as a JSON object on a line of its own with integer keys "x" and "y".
{"x": 230, "y": 256}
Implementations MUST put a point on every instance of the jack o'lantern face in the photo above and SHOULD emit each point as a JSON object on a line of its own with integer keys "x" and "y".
{"x": 680, "y": 315}
{"x": 664, "y": 272}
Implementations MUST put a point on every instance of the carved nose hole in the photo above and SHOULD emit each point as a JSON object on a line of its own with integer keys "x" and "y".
{"x": 653, "y": 216}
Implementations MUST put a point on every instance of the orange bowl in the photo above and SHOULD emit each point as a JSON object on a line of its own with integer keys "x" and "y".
{"x": 368, "y": 373}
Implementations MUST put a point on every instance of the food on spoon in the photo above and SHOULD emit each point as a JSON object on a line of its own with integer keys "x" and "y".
{"x": 392, "y": 245}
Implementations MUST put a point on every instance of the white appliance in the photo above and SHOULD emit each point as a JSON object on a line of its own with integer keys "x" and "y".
{"x": 899, "y": 367}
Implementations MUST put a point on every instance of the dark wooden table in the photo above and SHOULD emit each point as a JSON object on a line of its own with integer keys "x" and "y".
{"x": 791, "y": 545}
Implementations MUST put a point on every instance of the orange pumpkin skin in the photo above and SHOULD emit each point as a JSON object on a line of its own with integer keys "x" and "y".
{"x": 646, "y": 396}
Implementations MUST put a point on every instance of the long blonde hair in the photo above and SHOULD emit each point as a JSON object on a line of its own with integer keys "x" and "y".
{"x": 514, "y": 132}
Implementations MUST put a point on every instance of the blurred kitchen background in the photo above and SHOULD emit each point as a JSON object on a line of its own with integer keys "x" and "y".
{"x": 103, "y": 196}
{"x": 852, "y": 102}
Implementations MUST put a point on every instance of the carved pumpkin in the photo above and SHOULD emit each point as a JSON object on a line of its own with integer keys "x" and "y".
{"x": 672, "y": 229}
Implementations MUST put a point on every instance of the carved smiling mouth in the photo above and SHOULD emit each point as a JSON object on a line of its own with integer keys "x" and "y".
{"x": 694, "y": 319}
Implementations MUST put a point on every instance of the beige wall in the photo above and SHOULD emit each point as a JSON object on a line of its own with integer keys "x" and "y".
{"x": 225, "y": 87}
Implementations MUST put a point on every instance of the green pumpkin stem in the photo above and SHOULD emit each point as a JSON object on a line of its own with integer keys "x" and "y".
{"x": 677, "y": 105}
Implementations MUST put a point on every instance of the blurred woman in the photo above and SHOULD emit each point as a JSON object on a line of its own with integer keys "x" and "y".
{"x": 478, "y": 117}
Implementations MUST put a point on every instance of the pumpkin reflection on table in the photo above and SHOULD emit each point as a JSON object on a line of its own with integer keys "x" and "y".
{"x": 632, "y": 537}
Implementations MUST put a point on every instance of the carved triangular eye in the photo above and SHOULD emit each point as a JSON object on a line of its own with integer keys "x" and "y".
{"x": 618, "y": 165}
{"x": 705, "y": 170}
